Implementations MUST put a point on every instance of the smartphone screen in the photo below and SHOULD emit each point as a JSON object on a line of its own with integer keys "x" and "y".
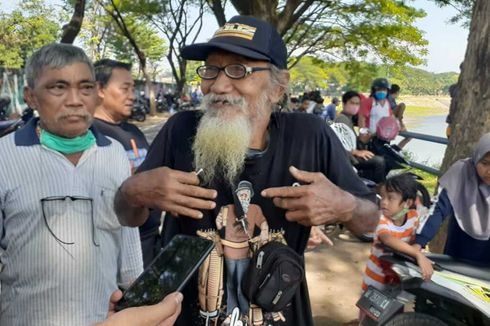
{"x": 168, "y": 272}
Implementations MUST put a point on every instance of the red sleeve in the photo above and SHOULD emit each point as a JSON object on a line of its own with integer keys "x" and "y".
{"x": 366, "y": 106}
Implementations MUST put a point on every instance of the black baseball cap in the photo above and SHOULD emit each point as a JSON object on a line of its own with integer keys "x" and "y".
{"x": 246, "y": 36}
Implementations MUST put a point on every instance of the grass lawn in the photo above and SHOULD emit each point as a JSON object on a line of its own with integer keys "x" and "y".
{"x": 420, "y": 111}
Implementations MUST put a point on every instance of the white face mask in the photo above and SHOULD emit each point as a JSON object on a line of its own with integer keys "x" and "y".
{"x": 351, "y": 109}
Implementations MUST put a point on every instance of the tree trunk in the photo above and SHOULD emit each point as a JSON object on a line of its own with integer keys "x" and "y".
{"x": 218, "y": 11}
{"x": 151, "y": 92}
{"x": 472, "y": 112}
{"x": 71, "y": 30}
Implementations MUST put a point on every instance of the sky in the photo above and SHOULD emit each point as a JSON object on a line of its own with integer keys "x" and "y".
{"x": 447, "y": 42}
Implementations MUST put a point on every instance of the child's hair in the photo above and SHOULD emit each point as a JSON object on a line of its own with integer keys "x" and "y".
{"x": 403, "y": 184}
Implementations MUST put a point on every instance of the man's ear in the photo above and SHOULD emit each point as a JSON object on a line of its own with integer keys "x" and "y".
{"x": 100, "y": 91}
{"x": 278, "y": 92}
{"x": 29, "y": 98}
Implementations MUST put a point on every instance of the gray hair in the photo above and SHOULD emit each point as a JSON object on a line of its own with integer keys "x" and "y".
{"x": 279, "y": 78}
{"x": 54, "y": 56}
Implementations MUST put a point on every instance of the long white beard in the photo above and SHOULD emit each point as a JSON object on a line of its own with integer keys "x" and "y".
{"x": 222, "y": 139}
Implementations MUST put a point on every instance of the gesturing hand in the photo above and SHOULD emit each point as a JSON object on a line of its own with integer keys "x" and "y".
{"x": 318, "y": 201}
{"x": 317, "y": 237}
{"x": 170, "y": 190}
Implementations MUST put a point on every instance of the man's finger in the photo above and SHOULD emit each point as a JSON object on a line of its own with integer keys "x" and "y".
{"x": 113, "y": 300}
{"x": 303, "y": 176}
{"x": 326, "y": 240}
{"x": 195, "y": 203}
{"x": 296, "y": 216}
{"x": 171, "y": 321}
{"x": 170, "y": 308}
{"x": 184, "y": 211}
{"x": 189, "y": 178}
{"x": 285, "y": 192}
{"x": 198, "y": 192}
{"x": 289, "y": 203}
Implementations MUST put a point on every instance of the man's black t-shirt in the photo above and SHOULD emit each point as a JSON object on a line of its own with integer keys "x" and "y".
{"x": 296, "y": 139}
{"x": 136, "y": 146}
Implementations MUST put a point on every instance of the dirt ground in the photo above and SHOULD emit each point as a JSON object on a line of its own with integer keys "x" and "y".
{"x": 334, "y": 276}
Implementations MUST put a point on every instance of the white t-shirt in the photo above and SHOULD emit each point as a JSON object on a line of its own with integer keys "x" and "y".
{"x": 378, "y": 112}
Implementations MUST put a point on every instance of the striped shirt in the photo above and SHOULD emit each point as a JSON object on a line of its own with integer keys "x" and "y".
{"x": 44, "y": 281}
{"x": 373, "y": 274}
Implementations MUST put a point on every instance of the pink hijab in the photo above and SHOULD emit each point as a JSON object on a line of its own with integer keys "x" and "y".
{"x": 469, "y": 196}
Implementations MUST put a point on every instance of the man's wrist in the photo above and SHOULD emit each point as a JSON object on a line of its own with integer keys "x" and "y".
{"x": 351, "y": 204}
{"x": 125, "y": 196}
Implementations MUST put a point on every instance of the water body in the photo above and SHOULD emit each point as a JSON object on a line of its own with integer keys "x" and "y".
{"x": 426, "y": 152}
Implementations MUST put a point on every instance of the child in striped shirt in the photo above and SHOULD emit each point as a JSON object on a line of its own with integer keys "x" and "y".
{"x": 396, "y": 229}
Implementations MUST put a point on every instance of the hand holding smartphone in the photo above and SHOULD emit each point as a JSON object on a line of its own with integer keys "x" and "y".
{"x": 168, "y": 272}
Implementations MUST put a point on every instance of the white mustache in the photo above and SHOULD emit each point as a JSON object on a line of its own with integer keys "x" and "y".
{"x": 213, "y": 98}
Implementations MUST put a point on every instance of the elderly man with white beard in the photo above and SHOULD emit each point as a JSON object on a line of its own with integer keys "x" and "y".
{"x": 297, "y": 166}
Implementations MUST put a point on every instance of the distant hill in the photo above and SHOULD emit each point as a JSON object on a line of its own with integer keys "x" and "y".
{"x": 334, "y": 78}
{"x": 421, "y": 82}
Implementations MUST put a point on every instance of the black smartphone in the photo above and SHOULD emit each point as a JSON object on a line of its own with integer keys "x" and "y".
{"x": 168, "y": 272}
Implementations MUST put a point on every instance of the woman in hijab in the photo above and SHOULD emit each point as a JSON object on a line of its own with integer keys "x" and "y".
{"x": 464, "y": 197}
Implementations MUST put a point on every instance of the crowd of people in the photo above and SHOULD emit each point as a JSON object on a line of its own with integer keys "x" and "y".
{"x": 77, "y": 181}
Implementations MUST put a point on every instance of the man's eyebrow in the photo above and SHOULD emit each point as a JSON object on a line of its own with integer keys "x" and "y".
{"x": 86, "y": 81}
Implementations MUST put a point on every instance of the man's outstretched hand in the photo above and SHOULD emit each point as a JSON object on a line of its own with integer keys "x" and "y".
{"x": 317, "y": 201}
{"x": 164, "y": 313}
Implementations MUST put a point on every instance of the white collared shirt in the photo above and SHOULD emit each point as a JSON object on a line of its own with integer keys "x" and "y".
{"x": 45, "y": 282}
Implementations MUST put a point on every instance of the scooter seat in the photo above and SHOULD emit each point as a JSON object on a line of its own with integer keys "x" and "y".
{"x": 461, "y": 267}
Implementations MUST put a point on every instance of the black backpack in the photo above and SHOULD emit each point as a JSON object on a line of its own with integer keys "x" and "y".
{"x": 273, "y": 276}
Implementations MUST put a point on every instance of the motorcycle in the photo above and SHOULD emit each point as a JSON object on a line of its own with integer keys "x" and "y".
{"x": 8, "y": 126}
{"x": 139, "y": 110}
{"x": 457, "y": 294}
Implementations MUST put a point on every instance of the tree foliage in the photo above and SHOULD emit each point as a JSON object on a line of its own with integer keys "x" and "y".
{"x": 25, "y": 29}
{"x": 373, "y": 30}
{"x": 181, "y": 22}
{"x": 463, "y": 8}
{"x": 312, "y": 73}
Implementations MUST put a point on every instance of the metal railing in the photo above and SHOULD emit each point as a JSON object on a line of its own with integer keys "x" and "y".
{"x": 429, "y": 138}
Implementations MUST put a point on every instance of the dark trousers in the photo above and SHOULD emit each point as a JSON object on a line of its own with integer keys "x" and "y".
{"x": 150, "y": 245}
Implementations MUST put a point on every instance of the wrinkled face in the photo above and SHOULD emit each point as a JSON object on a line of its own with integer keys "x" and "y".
{"x": 232, "y": 108}
{"x": 118, "y": 94}
{"x": 65, "y": 99}
{"x": 250, "y": 88}
{"x": 391, "y": 202}
{"x": 483, "y": 169}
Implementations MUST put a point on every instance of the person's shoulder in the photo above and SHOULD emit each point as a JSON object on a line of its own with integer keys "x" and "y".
{"x": 131, "y": 127}
{"x": 292, "y": 119}
{"x": 341, "y": 118}
{"x": 115, "y": 147}
{"x": 186, "y": 118}
{"x": 7, "y": 144}
{"x": 367, "y": 101}
{"x": 383, "y": 220}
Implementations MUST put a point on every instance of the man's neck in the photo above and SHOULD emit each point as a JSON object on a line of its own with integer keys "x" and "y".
{"x": 259, "y": 134}
{"x": 103, "y": 114}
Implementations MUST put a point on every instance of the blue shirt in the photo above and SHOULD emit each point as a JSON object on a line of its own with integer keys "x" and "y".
{"x": 330, "y": 112}
{"x": 459, "y": 244}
